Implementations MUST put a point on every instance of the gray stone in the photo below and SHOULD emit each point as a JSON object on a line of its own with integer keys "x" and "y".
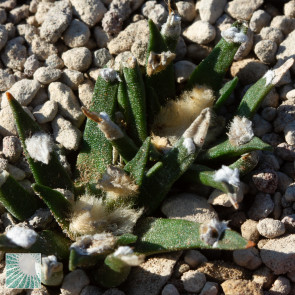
{"x": 46, "y": 75}
{"x": 284, "y": 181}
{"x": 3, "y": 16}
{"x": 193, "y": 281}
{"x": 12, "y": 148}
{"x": 124, "y": 41}
{"x": 89, "y": 11}
{"x": 78, "y": 59}
{"x": 113, "y": 291}
{"x": 242, "y": 9}
{"x": 54, "y": 61}
{"x": 261, "y": 207}
{"x": 285, "y": 151}
{"x": 181, "y": 49}
{"x": 170, "y": 289}
{"x": 286, "y": 114}
{"x": 211, "y": 10}
{"x": 190, "y": 207}
{"x": 200, "y": 32}
{"x": 10, "y": 28}
{"x": 269, "y": 113}
{"x": 14, "y": 54}
{"x": 279, "y": 254}
{"x": 7, "y": 123}
{"x": 289, "y": 9}
{"x": 101, "y": 57}
{"x": 210, "y": 288}
{"x": 41, "y": 219}
{"x": 101, "y": 37}
{"x": 186, "y": 10}
{"x": 85, "y": 91}
{"x": 231, "y": 286}
{"x": 6, "y": 79}
{"x": 74, "y": 282}
{"x": 91, "y": 290}
{"x": 46, "y": 112}
{"x": 15, "y": 172}
{"x": 139, "y": 49}
{"x": 156, "y": 12}
{"x": 3, "y": 36}
{"x": 289, "y": 132}
{"x": 31, "y": 65}
{"x": 270, "y": 228}
{"x": 283, "y": 23}
{"x": 194, "y": 258}
{"x": 290, "y": 193}
{"x": 183, "y": 70}
{"x": 17, "y": 14}
{"x": 150, "y": 277}
{"x": 259, "y": 19}
{"x": 41, "y": 97}
{"x": 249, "y": 230}
{"x": 248, "y": 258}
{"x": 42, "y": 49}
{"x": 260, "y": 126}
{"x": 77, "y": 34}
{"x": 65, "y": 133}
{"x": 263, "y": 276}
{"x": 72, "y": 78}
{"x": 265, "y": 180}
{"x": 23, "y": 91}
{"x": 266, "y": 50}
{"x": 273, "y": 34}
{"x": 280, "y": 286}
{"x": 68, "y": 104}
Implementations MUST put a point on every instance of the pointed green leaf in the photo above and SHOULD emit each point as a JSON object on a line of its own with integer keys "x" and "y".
{"x": 18, "y": 201}
{"x": 52, "y": 174}
{"x": 211, "y": 70}
{"x": 225, "y": 93}
{"x": 165, "y": 235}
{"x": 225, "y": 150}
{"x": 96, "y": 151}
{"x": 59, "y": 206}
{"x": 136, "y": 167}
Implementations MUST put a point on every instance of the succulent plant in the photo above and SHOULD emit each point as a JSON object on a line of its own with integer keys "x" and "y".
{"x": 140, "y": 140}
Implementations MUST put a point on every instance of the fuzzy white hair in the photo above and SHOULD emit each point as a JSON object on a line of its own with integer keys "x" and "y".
{"x": 227, "y": 175}
{"x": 22, "y": 236}
{"x": 39, "y": 147}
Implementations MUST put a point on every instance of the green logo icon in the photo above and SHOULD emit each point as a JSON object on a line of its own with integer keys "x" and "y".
{"x": 23, "y": 270}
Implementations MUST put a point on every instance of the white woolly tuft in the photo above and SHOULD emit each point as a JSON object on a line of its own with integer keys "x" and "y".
{"x": 123, "y": 250}
{"x": 212, "y": 231}
{"x": 3, "y": 177}
{"x": 233, "y": 34}
{"x": 228, "y": 175}
{"x": 109, "y": 75}
{"x": 269, "y": 76}
{"x": 125, "y": 254}
{"x": 188, "y": 143}
{"x": 22, "y": 236}
{"x": 240, "y": 131}
{"x": 39, "y": 147}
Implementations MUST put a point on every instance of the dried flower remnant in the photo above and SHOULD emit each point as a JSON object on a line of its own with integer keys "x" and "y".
{"x": 126, "y": 254}
{"x": 158, "y": 62}
{"x": 105, "y": 124}
{"x": 211, "y": 232}
{"x": 109, "y": 75}
{"x": 117, "y": 183}
{"x": 172, "y": 27}
{"x": 240, "y": 131}
{"x": 39, "y": 147}
{"x": 22, "y": 236}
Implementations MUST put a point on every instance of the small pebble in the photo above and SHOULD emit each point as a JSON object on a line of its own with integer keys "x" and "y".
{"x": 72, "y": 78}
{"x": 31, "y": 65}
{"x": 46, "y": 112}
{"x": 7, "y": 79}
{"x": 242, "y": 9}
{"x": 289, "y": 9}
{"x": 210, "y": 288}
{"x": 41, "y": 219}
{"x": 263, "y": 276}
{"x": 12, "y": 148}
{"x": 200, "y": 32}
{"x": 46, "y": 75}
{"x": 280, "y": 286}
{"x": 283, "y": 23}
{"x": 170, "y": 289}
{"x": 273, "y": 34}
{"x": 259, "y": 19}
{"x": 193, "y": 281}
{"x": 266, "y": 50}
{"x": 54, "y": 61}
{"x": 78, "y": 59}
{"x": 91, "y": 290}
{"x": 101, "y": 37}
{"x": 194, "y": 258}
{"x": 74, "y": 282}
{"x": 182, "y": 70}
{"x": 266, "y": 181}
{"x": 211, "y": 10}
{"x": 290, "y": 193}
{"x": 186, "y": 10}
{"x": 156, "y": 12}
{"x": 270, "y": 228}
{"x": 77, "y": 34}
{"x": 261, "y": 207}
{"x": 248, "y": 258}
{"x": 269, "y": 113}
{"x": 101, "y": 57}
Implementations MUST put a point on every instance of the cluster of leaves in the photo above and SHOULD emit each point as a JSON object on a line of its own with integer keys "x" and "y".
{"x": 98, "y": 211}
